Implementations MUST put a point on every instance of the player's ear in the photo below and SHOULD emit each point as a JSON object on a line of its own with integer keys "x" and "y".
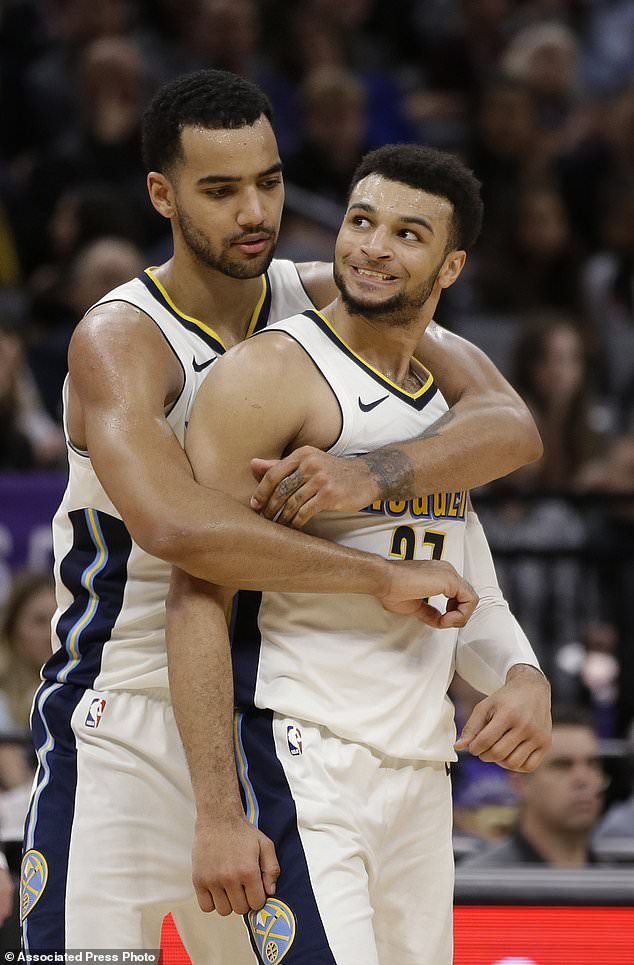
{"x": 452, "y": 266}
{"x": 161, "y": 194}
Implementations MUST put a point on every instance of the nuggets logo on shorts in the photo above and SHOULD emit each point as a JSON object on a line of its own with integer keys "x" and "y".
{"x": 273, "y": 930}
{"x": 294, "y": 738}
{"x": 95, "y": 712}
{"x": 33, "y": 878}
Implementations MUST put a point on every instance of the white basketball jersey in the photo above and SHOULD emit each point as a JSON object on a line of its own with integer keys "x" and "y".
{"x": 109, "y": 627}
{"x": 341, "y": 660}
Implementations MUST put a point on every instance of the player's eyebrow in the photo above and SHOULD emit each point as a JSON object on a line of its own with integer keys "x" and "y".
{"x": 404, "y": 218}
{"x": 231, "y": 178}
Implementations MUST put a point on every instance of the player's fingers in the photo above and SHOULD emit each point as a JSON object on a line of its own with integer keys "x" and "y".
{"x": 427, "y": 613}
{"x": 221, "y": 901}
{"x": 505, "y": 748}
{"x": 457, "y": 614}
{"x": 246, "y": 893}
{"x": 516, "y": 760}
{"x": 477, "y": 720}
{"x": 489, "y": 735}
{"x": 306, "y": 512}
{"x": 279, "y": 469}
{"x": 259, "y": 467}
{"x": 236, "y": 898}
{"x": 269, "y": 865}
{"x": 295, "y": 501}
{"x": 284, "y": 489}
{"x": 204, "y": 897}
{"x": 533, "y": 760}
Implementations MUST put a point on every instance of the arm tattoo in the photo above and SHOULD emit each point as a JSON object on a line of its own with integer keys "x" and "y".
{"x": 392, "y": 469}
{"x": 393, "y": 472}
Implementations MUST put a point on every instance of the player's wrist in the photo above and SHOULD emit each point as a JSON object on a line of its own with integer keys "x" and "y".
{"x": 526, "y": 670}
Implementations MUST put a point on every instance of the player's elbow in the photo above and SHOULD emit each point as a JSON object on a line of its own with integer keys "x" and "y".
{"x": 531, "y": 447}
{"x": 160, "y": 538}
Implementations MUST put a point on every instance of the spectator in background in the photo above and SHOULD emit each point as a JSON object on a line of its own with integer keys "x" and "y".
{"x": 25, "y": 645}
{"x": 53, "y": 79}
{"x": 104, "y": 146}
{"x": 554, "y": 597}
{"x": 559, "y": 803}
{"x": 530, "y": 259}
{"x": 97, "y": 268}
{"x": 546, "y": 56}
{"x": 29, "y": 438}
{"x": 551, "y": 372}
{"x": 335, "y": 128}
{"x": 611, "y": 536}
{"x": 505, "y": 149}
{"x": 609, "y": 289}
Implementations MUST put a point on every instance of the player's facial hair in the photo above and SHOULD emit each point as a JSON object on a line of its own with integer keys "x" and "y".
{"x": 201, "y": 248}
{"x": 399, "y": 310}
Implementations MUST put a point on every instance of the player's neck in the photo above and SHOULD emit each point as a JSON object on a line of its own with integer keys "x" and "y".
{"x": 225, "y": 304}
{"x": 388, "y": 348}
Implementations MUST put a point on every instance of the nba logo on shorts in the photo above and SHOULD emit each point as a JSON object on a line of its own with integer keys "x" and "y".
{"x": 294, "y": 738}
{"x": 95, "y": 712}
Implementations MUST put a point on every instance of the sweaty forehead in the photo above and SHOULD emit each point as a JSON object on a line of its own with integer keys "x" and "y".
{"x": 238, "y": 152}
{"x": 398, "y": 199}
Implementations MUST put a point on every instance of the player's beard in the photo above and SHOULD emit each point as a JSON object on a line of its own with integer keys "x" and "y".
{"x": 399, "y": 310}
{"x": 222, "y": 261}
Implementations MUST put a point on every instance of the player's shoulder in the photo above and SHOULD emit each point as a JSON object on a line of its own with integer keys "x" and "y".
{"x": 272, "y": 358}
{"x": 317, "y": 280}
{"x": 117, "y": 333}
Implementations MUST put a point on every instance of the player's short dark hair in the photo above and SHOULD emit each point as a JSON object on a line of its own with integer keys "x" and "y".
{"x": 572, "y": 715}
{"x": 215, "y": 99}
{"x": 436, "y": 172}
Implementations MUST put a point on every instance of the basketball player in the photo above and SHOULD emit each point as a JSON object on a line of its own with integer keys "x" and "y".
{"x": 345, "y": 729}
{"x": 109, "y": 833}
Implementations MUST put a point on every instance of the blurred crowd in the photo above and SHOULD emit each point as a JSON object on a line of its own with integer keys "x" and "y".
{"x": 537, "y": 95}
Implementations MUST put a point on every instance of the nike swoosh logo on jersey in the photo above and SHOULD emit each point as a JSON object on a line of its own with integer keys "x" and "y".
{"x": 199, "y": 366}
{"x": 368, "y": 406}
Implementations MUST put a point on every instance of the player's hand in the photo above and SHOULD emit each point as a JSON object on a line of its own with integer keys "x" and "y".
{"x": 308, "y": 482}
{"x": 512, "y": 727}
{"x": 409, "y": 582}
{"x": 234, "y": 866}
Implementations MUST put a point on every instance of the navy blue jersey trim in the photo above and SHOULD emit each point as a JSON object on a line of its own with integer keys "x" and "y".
{"x": 246, "y": 644}
{"x": 50, "y": 819}
{"x": 265, "y": 310}
{"x": 191, "y": 326}
{"x": 419, "y": 402}
{"x": 95, "y": 573}
{"x": 267, "y": 795}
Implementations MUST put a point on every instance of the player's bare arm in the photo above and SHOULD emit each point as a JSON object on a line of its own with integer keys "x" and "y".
{"x": 234, "y": 866}
{"x": 122, "y": 376}
{"x": 511, "y": 726}
{"x": 487, "y": 433}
